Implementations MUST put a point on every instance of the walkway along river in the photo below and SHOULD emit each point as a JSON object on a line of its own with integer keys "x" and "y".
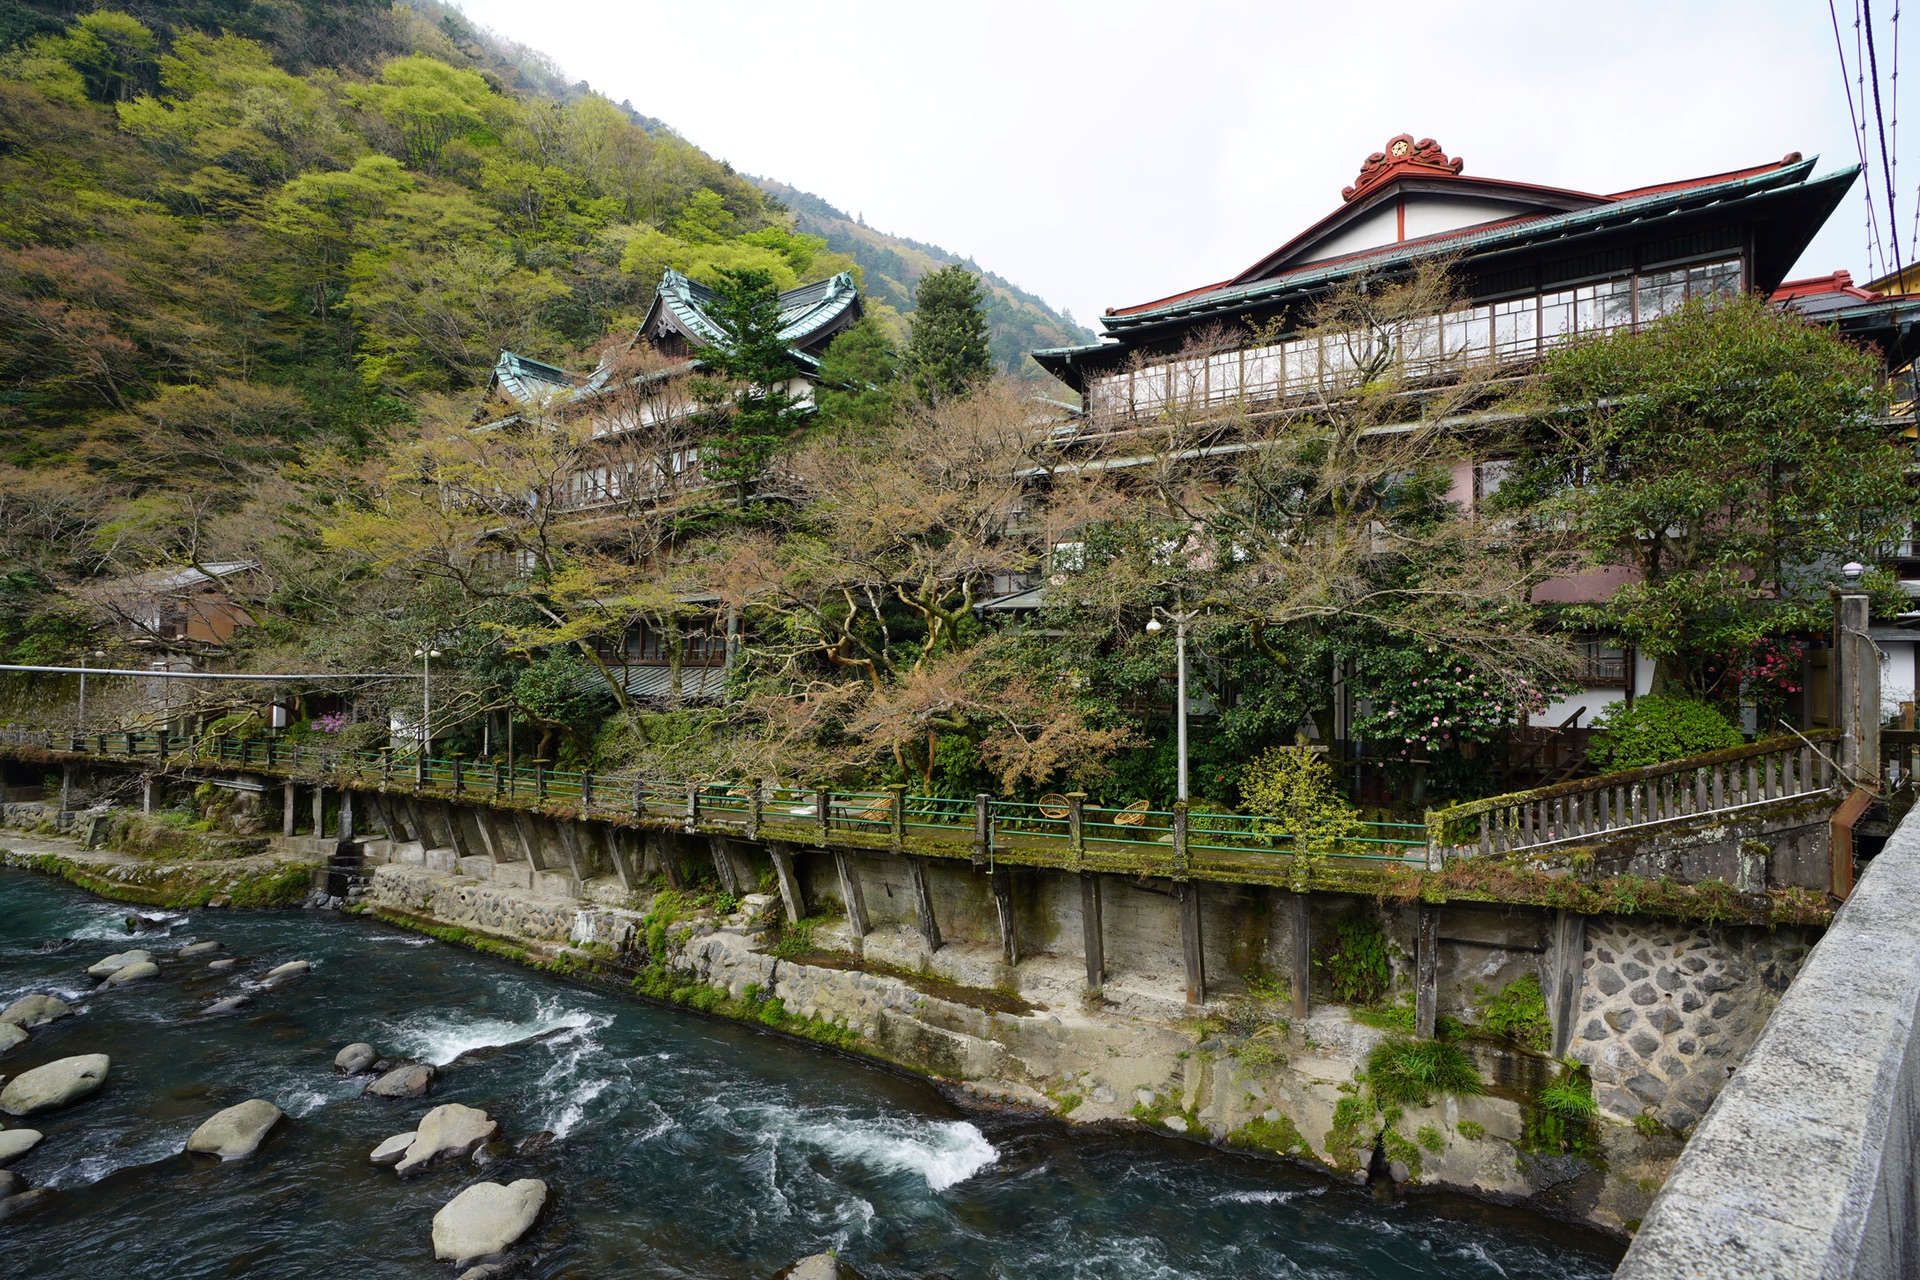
{"x": 681, "y": 1146}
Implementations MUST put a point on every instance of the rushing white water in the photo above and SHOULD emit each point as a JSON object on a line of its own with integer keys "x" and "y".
{"x": 1267, "y": 1197}
{"x": 439, "y": 1037}
{"x": 943, "y": 1153}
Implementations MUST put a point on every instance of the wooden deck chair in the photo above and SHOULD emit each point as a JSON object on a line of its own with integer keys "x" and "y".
{"x": 1133, "y": 815}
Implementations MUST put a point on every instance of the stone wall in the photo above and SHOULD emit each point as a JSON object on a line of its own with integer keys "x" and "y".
{"x": 1805, "y": 1165}
{"x": 1666, "y": 1011}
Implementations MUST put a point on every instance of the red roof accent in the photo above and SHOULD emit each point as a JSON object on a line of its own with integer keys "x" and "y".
{"x": 1838, "y": 282}
{"x": 1403, "y": 156}
{"x": 1424, "y": 160}
{"x": 1792, "y": 157}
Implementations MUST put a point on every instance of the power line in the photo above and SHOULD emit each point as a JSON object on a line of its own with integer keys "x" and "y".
{"x": 262, "y": 677}
{"x": 1859, "y": 138}
{"x": 1880, "y": 128}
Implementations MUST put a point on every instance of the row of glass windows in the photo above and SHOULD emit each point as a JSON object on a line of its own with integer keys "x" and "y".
{"x": 1517, "y": 329}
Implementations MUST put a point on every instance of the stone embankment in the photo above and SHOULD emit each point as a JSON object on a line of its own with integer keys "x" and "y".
{"x": 1237, "y": 1072}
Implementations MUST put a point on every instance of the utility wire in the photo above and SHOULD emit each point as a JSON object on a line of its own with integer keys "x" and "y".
{"x": 1859, "y": 140}
{"x": 1880, "y": 128}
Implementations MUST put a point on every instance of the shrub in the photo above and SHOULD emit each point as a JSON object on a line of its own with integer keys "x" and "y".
{"x": 1565, "y": 1113}
{"x": 1471, "y": 1130}
{"x": 1294, "y": 789}
{"x": 1357, "y": 968}
{"x": 1519, "y": 1013}
{"x": 1404, "y": 1071}
{"x": 1656, "y": 729}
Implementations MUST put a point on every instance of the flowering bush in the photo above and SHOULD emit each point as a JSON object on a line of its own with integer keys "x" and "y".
{"x": 1657, "y": 729}
{"x": 1423, "y": 701}
{"x": 332, "y": 722}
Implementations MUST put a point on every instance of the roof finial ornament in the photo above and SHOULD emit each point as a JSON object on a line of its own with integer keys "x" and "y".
{"x": 1402, "y": 155}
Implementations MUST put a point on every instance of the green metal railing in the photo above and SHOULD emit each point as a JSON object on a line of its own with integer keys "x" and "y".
{"x": 1077, "y": 833}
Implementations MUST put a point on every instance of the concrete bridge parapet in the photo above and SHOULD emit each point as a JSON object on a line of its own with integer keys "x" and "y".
{"x": 1805, "y": 1166}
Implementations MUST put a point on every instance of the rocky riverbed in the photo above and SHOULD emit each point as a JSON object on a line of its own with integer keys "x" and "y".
{"x": 660, "y": 1143}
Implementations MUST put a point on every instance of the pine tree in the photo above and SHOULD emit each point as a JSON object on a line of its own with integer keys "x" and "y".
{"x": 948, "y": 354}
{"x": 856, "y": 378}
{"x": 746, "y": 390}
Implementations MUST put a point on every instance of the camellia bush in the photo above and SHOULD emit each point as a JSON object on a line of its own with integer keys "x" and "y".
{"x": 1656, "y": 729}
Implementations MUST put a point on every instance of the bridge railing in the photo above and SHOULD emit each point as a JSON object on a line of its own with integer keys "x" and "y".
{"x": 1054, "y": 825}
{"x": 1619, "y": 805}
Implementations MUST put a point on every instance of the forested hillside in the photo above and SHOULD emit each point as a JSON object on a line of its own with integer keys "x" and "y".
{"x": 1017, "y": 321}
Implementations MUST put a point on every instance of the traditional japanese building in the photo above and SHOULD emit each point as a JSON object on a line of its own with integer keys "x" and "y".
{"x": 1536, "y": 266}
{"x": 645, "y": 435}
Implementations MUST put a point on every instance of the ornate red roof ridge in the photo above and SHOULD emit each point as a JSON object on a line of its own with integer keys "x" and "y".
{"x": 1402, "y": 155}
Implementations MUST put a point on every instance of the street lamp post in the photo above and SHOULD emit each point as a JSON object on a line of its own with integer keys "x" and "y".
{"x": 81, "y": 715}
{"x": 1180, "y": 618}
{"x": 426, "y": 654}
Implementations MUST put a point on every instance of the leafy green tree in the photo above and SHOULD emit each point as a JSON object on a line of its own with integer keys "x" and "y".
{"x": 428, "y": 104}
{"x": 856, "y": 378}
{"x": 1730, "y": 456}
{"x": 745, "y": 391}
{"x": 1656, "y": 729}
{"x": 948, "y": 354}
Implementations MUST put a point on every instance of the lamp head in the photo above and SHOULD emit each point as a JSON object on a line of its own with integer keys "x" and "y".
{"x": 1153, "y": 626}
{"x": 1852, "y": 569}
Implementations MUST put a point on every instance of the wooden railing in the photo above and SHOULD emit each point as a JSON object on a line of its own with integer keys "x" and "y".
{"x": 1618, "y": 805}
{"x": 1063, "y": 830}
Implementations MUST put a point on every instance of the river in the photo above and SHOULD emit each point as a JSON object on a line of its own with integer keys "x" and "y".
{"x": 683, "y": 1146}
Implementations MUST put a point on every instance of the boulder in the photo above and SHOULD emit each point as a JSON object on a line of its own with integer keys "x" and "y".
{"x": 147, "y": 924}
{"x": 821, "y": 1266}
{"x": 486, "y": 1271}
{"x": 237, "y": 1132}
{"x": 35, "y": 1011}
{"x": 25, "y": 1202}
{"x": 448, "y": 1130}
{"x": 409, "y": 1080}
{"x": 485, "y": 1220}
{"x": 11, "y": 1037}
{"x": 355, "y": 1058}
{"x": 15, "y": 1143}
{"x": 193, "y": 949}
{"x": 220, "y": 900}
{"x": 390, "y": 1151}
{"x": 117, "y": 961}
{"x": 139, "y": 971}
{"x": 287, "y": 972}
{"x": 56, "y": 1084}
{"x": 221, "y": 966}
{"x": 221, "y": 1008}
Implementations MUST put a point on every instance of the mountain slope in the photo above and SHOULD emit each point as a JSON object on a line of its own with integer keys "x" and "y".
{"x": 1017, "y": 321}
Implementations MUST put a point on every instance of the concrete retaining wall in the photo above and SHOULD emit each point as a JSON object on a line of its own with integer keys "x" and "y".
{"x": 1805, "y": 1166}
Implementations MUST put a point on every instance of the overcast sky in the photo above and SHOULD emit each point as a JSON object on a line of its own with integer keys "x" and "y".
{"x": 1105, "y": 154}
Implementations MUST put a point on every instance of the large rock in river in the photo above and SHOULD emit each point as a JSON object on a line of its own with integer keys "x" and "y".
{"x": 193, "y": 949}
{"x": 409, "y": 1080}
{"x": 15, "y": 1143}
{"x": 393, "y": 1149}
{"x": 35, "y": 1011}
{"x": 117, "y": 961}
{"x": 287, "y": 972}
{"x": 485, "y": 1220}
{"x": 355, "y": 1058}
{"x": 821, "y": 1266}
{"x": 139, "y": 971}
{"x": 56, "y": 1084}
{"x": 237, "y": 1132}
{"x": 448, "y": 1130}
{"x": 11, "y": 1037}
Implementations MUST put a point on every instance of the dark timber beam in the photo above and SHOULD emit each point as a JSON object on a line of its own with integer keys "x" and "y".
{"x": 1190, "y": 947}
{"x": 456, "y": 838}
{"x": 1302, "y": 930}
{"x": 1566, "y": 953}
{"x": 623, "y": 864}
{"x": 851, "y": 894}
{"x": 530, "y": 840}
{"x": 723, "y": 864}
{"x": 1003, "y": 904}
{"x": 1426, "y": 983}
{"x": 923, "y": 903}
{"x": 1091, "y": 931}
{"x": 570, "y": 845}
{"x": 792, "y": 895}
